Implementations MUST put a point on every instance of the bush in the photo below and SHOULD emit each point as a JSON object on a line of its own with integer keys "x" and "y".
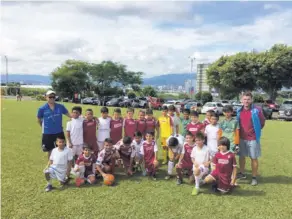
{"x": 40, "y": 97}
{"x": 3, "y": 91}
{"x": 258, "y": 98}
{"x": 204, "y": 96}
{"x": 131, "y": 95}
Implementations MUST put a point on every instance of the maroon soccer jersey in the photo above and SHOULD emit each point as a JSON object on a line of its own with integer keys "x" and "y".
{"x": 151, "y": 125}
{"x": 148, "y": 151}
{"x": 195, "y": 128}
{"x": 105, "y": 157}
{"x": 141, "y": 126}
{"x": 186, "y": 162}
{"x": 89, "y": 134}
{"x": 88, "y": 162}
{"x": 126, "y": 152}
{"x": 130, "y": 127}
{"x": 116, "y": 127}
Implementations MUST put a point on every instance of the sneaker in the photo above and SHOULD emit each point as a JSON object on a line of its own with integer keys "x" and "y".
{"x": 179, "y": 181}
{"x": 79, "y": 181}
{"x": 144, "y": 173}
{"x": 214, "y": 187}
{"x": 195, "y": 191}
{"x": 167, "y": 177}
{"x": 49, "y": 188}
{"x": 241, "y": 176}
{"x": 154, "y": 178}
{"x": 254, "y": 182}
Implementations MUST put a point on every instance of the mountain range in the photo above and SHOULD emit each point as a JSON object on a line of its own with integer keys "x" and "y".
{"x": 165, "y": 79}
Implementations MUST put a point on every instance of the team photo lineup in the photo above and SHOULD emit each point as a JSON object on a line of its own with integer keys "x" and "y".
{"x": 95, "y": 144}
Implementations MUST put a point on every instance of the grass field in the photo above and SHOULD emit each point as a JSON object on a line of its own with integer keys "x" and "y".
{"x": 23, "y": 182}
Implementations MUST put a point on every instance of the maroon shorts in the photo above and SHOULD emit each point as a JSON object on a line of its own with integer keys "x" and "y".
{"x": 185, "y": 165}
{"x": 223, "y": 181}
{"x": 88, "y": 173}
{"x": 126, "y": 160}
{"x": 149, "y": 166}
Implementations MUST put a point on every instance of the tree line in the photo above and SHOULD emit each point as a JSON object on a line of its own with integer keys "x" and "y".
{"x": 270, "y": 71}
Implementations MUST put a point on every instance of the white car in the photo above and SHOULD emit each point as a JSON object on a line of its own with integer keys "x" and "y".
{"x": 225, "y": 102}
{"x": 172, "y": 102}
{"x": 217, "y": 107}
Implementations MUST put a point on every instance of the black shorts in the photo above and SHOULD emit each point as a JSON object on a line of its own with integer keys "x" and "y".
{"x": 48, "y": 141}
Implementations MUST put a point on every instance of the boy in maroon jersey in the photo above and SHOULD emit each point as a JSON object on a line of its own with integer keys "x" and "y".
{"x": 127, "y": 153}
{"x": 141, "y": 123}
{"x": 130, "y": 124}
{"x": 89, "y": 131}
{"x": 151, "y": 122}
{"x": 185, "y": 160}
{"x": 195, "y": 125}
{"x": 116, "y": 126}
{"x": 207, "y": 120}
{"x": 225, "y": 168}
{"x": 106, "y": 160}
{"x": 85, "y": 167}
{"x": 149, "y": 152}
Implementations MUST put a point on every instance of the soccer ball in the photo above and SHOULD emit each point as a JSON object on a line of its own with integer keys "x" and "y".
{"x": 109, "y": 179}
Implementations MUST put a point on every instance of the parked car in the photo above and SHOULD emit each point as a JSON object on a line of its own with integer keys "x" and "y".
{"x": 236, "y": 106}
{"x": 57, "y": 98}
{"x": 285, "y": 111}
{"x": 114, "y": 102}
{"x": 173, "y": 102}
{"x": 197, "y": 106}
{"x": 155, "y": 103}
{"x": 184, "y": 102}
{"x": 87, "y": 100}
{"x": 216, "y": 106}
{"x": 126, "y": 103}
{"x": 268, "y": 112}
{"x": 140, "y": 102}
{"x": 272, "y": 105}
{"x": 105, "y": 99}
{"x": 225, "y": 102}
{"x": 66, "y": 99}
{"x": 96, "y": 101}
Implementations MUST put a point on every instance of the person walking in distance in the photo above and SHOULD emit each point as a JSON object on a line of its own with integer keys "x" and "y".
{"x": 49, "y": 117}
{"x": 251, "y": 121}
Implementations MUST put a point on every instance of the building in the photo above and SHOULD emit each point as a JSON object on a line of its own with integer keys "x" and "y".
{"x": 190, "y": 86}
{"x": 201, "y": 84}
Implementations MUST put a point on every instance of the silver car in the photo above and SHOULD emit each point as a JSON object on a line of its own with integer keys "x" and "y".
{"x": 285, "y": 111}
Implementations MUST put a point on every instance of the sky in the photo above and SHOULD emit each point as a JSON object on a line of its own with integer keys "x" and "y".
{"x": 153, "y": 37}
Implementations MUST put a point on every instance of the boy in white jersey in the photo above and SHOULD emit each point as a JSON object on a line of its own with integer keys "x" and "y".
{"x": 104, "y": 123}
{"x": 211, "y": 132}
{"x": 175, "y": 146}
{"x": 75, "y": 132}
{"x": 201, "y": 161}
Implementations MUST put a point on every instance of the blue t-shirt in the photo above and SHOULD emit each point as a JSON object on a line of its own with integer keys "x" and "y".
{"x": 52, "y": 119}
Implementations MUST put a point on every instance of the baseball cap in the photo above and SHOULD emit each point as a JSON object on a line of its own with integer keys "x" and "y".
{"x": 49, "y": 92}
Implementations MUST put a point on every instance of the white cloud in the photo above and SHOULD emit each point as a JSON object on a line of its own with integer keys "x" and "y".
{"x": 270, "y": 6}
{"x": 37, "y": 37}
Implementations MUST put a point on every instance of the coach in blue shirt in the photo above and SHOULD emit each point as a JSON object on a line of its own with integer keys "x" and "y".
{"x": 50, "y": 119}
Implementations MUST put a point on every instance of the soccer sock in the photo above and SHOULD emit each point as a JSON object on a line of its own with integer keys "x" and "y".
{"x": 197, "y": 179}
{"x": 254, "y": 177}
{"x": 49, "y": 182}
{"x": 170, "y": 167}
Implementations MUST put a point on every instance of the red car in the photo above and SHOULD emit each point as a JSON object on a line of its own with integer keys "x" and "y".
{"x": 155, "y": 103}
{"x": 272, "y": 105}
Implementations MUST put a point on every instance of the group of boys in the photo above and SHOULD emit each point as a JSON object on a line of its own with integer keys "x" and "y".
{"x": 131, "y": 143}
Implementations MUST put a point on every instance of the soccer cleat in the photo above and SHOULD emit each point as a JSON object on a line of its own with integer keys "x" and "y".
{"x": 167, "y": 177}
{"x": 49, "y": 188}
{"x": 195, "y": 191}
{"x": 79, "y": 181}
{"x": 214, "y": 187}
{"x": 254, "y": 182}
{"x": 154, "y": 178}
{"x": 179, "y": 181}
{"x": 241, "y": 176}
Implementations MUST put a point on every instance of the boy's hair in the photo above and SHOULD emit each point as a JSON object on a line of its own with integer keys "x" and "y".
{"x": 247, "y": 94}
{"x": 104, "y": 109}
{"x": 130, "y": 110}
{"x": 189, "y": 134}
{"x": 227, "y": 108}
{"x": 60, "y": 138}
{"x": 149, "y": 112}
{"x": 108, "y": 140}
{"x": 225, "y": 142}
{"x": 127, "y": 140}
{"x": 89, "y": 110}
{"x": 86, "y": 146}
{"x": 171, "y": 108}
{"x": 117, "y": 110}
{"x": 142, "y": 111}
{"x": 194, "y": 113}
{"x": 164, "y": 108}
{"x": 138, "y": 134}
{"x": 150, "y": 133}
{"x": 200, "y": 136}
{"x": 213, "y": 114}
{"x": 173, "y": 142}
{"x": 187, "y": 111}
{"x": 210, "y": 111}
{"x": 77, "y": 108}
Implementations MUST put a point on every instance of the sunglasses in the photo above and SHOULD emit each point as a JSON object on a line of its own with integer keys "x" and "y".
{"x": 52, "y": 97}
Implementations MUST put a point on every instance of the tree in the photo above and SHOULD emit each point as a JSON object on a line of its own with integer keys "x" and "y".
{"x": 204, "y": 97}
{"x": 183, "y": 96}
{"x": 131, "y": 95}
{"x": 258, "y": 98}
{"x": 149, "y": 91}
{"x": 70, "y": 77}
{"x": 274, "y": 69}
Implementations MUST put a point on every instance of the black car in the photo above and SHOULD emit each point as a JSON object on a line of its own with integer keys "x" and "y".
{"x": 126, "y": 103}
{"x": 285, "y": 111}
{"x": 268, "y": 112}
{"x": 114, "y": 102}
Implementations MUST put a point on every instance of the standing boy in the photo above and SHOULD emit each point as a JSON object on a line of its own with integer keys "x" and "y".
{"x": 174, "y": 115}
{"x": 130, "y": 124}
{"x": 211, "y": 132}
{"x": 195, "y": 125}
{"x": 116, "y": 126}
{"x": 103, "y": 127}
{"x": 185, "y": 120}
{"x": 89, "y": 131}
{"x": 151, "y": 123}
{"x": 141, "y": 123}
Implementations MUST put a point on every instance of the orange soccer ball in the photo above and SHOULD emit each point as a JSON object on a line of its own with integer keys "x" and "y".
{"x": 109, "y": 179}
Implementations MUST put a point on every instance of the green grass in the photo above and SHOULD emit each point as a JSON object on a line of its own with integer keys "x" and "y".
{"x": 23, "y": 182}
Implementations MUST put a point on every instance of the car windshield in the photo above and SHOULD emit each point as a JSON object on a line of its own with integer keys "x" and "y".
{"x": 210, "y": 105}
{"x": 225, "y": 101}
{"x": 287, "y": 102}
{"x": 114, "y": 99}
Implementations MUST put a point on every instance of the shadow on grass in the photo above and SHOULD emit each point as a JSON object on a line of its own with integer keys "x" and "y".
{"x": 275, "y": 179}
